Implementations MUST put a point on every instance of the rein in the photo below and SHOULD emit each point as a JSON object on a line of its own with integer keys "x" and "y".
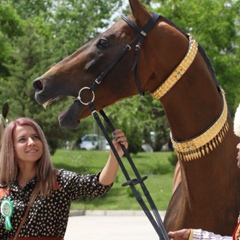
{"x": 155, "y": 219}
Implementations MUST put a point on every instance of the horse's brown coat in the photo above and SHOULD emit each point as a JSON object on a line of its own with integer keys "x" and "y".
{"x": 208, "y": 196}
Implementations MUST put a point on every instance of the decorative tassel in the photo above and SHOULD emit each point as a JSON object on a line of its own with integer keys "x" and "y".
{"x": 207, "y": 141}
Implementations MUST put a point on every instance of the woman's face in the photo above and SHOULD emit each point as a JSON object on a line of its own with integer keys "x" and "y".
{"x": 238, "y": 155}
{"x": 27, "y": 145}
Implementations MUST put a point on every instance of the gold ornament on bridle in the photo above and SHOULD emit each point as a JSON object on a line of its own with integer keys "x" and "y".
{"x": 213, "y": 136}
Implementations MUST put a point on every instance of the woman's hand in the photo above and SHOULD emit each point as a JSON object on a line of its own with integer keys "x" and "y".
{"x": 109, "y": 171}
{"x": 119, "y": 137}
{"x": 182, "y": 234}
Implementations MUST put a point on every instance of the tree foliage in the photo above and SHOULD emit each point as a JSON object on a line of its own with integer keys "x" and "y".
{"x": 36, "y": 34}
{"x": 51, "y": 31}
{"x": 215, "y": 25}
{"x": 77, "y": 21}
{"x": 10, "y": 28}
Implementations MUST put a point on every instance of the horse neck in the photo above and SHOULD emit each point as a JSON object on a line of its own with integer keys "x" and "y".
{"x": 192, "y": 106}
{"x": 194, "y": 103}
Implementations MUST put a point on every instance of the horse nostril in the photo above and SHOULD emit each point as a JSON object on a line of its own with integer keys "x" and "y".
{"x": 38, "y": 85}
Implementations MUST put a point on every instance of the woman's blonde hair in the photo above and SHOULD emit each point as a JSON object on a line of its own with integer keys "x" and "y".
{"x": 46, "y": 174}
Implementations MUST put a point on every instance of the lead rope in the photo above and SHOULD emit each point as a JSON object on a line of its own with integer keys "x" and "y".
{"x": 157, "y": 221}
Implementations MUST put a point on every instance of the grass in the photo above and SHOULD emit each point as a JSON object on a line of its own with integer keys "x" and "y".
{"x": 154, "y": 165}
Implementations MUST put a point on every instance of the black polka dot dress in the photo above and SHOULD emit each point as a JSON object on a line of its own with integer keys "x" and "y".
{"x": 49, "y": 216}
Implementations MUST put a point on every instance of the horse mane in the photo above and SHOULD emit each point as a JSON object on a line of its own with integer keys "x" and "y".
{"x": 201, "y": 51}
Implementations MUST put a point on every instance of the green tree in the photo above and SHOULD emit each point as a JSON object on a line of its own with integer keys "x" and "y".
{"x": 215, "y": 24}
{"x": 29, "y": 57}
{"x": 10, "y": 28}
{"x": 77, "y": 21}
{"x": 139, "y": 116}
{"x": 218, "y": 32}
{"x": 54, "y": 29}
{"x": 47, "y": 39}
{"x": 30, "y": 9}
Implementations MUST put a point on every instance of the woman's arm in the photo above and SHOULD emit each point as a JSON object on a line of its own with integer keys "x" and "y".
{"x": 183, "y": 234}
{"x": 109, "y": 171}
{"x": 194, "y": 234}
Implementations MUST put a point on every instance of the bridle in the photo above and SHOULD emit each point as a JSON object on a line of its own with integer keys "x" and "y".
{"x": 155, "y": 220}
{"x": 142, "y": 33}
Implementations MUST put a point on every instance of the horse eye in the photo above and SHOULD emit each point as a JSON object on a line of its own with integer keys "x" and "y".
{"x": 102, "y": 44}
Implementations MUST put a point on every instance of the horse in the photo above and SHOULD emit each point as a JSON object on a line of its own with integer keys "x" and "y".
{"x": 146, "y": 52}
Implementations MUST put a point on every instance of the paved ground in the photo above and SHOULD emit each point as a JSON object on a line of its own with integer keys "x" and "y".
{"x": 110, "y": 225}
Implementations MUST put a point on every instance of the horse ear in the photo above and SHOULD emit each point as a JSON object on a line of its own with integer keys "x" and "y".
{"x": 5, "y": 110}
{"x": 139, "y": 11}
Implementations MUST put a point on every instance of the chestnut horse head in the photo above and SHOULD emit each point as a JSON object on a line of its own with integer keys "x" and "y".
{"x": 174, "y": 68}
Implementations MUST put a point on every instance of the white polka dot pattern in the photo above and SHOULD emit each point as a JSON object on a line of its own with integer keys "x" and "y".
{"x": 49, "y": 216}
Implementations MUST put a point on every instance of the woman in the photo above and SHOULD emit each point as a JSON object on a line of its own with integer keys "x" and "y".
{"x": 28, "y": 178}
